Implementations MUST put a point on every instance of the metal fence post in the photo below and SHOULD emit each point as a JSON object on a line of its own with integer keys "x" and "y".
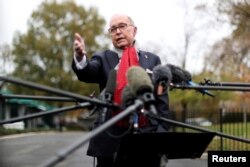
{"x": 221, "y": 126}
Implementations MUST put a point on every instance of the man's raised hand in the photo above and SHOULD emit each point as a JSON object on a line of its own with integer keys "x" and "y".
{"x": 79, "y": 46}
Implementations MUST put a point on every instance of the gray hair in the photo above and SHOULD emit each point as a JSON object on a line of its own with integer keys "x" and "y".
{"x": 131, "y": 20}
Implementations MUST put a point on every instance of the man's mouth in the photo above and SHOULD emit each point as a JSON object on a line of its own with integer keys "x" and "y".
{"x": 119, "y": 39}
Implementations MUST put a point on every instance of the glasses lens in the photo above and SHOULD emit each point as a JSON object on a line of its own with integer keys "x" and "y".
{"x": 121, "y": 26}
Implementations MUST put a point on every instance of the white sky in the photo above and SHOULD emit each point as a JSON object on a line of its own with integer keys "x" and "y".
{"x": 160, "y": 23}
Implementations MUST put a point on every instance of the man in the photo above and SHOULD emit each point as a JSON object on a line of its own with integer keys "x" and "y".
{"x": 122, "y": 31}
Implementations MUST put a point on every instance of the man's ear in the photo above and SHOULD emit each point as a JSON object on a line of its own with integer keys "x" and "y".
{"x": 135, "y": 31}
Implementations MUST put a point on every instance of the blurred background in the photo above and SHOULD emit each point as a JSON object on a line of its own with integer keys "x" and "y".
{"x": 209, "y": 38}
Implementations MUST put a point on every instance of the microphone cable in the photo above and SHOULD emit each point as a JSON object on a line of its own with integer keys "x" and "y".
{"x": 120, "y": 135}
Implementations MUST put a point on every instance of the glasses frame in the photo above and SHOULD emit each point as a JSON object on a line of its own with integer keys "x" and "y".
{"x": 122, "y": 26}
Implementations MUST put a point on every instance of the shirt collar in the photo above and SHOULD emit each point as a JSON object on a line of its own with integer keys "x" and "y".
{"x": 119, "y": 51}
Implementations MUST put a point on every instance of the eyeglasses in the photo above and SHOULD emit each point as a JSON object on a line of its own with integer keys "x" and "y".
{"x": 121, "y": 27}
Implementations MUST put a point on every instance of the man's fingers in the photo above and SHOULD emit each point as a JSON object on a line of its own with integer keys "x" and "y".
{"x": 79, "y": 46}
{"x": 78, "y": 37}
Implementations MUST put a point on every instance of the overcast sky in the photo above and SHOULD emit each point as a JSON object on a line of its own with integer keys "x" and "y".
{"x": 160, "y": 23}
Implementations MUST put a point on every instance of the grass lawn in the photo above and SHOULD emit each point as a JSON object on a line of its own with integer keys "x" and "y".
{"x": 241, "y": 130}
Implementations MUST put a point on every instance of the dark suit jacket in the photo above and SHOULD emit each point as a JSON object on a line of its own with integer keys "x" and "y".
{"x": 97, "y": 71}
{"x": 98, "y": 68}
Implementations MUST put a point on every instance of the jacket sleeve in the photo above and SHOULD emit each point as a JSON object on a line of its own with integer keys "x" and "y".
{"x": 91, "y": 72}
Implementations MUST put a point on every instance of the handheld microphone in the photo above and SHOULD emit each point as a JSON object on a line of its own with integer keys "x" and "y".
{"x": 141, "y": 85}
{"x": 182, "y": 76}
{"x": 161, "y": 77}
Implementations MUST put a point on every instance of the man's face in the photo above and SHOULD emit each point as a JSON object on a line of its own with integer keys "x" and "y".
{"x": 122, "y": 31}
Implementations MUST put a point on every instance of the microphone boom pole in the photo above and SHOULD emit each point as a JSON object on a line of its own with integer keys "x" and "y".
{"x": 217, "y": 88}
{"x": 55, "y": 91}
{"x": 40, "y": 114}
{"x": 83, "y": 140}
{"x": 238, "y": 84}
{"x": 47, "y": 98}
{"x": 162, "y": 119}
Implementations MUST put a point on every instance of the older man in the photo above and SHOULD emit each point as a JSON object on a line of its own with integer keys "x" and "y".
{"x": 125, "y": 53}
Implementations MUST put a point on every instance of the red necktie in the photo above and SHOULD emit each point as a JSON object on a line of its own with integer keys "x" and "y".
{"x": 129, "y": 58}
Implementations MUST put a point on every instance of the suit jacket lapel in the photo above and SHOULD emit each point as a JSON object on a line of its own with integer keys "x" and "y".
{"x": 143, "y": 59}
{"x": 112, "y": 59}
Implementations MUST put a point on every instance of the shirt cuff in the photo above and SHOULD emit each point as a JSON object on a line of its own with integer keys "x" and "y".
{"x": 80, "y": 64}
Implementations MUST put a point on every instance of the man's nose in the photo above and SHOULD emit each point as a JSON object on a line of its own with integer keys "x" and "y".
{"x": 117, "y": 30}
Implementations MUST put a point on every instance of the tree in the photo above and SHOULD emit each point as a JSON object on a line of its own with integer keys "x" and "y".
{"x": 231, "y": 55}
{"x": 190, "y": 50}
{"x": 44, "y": 53}
{"x": 5, "y": 59}
{"x": 229, "y": 59}
{"x": 192, "y": 40}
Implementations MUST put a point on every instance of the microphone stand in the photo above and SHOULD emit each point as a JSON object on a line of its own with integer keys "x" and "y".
{"x": 41, "y": 114}
{"x": 163, "y": 119}
{"x": 56, "y": 91}
{"x": 61, "y": 155}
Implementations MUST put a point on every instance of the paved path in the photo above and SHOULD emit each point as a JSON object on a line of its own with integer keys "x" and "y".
{"x": 33, "y": 149}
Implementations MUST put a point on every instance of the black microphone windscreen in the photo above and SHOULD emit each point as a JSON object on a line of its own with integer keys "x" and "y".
{"x": 178, "y": 74}
{"x": 161, "y": 73}
{"x": 111, "y": 83}
{"x": 188, "y": 75}
{"x": 139, "y": 81}
{"x": 127, "y": 95}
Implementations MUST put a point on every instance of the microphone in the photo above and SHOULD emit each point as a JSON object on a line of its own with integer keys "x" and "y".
{"x": 161, "y": 77}
{"x": 141, "y": 85}
{"x": 108, "y": 93}
{"x": 179, "y": 75}
{"x": 128, "y": 99}
{"x": 110, "y": 86}
{"x": 183, "y": 76}
{"x": 139, "y": 81}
